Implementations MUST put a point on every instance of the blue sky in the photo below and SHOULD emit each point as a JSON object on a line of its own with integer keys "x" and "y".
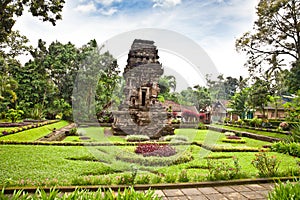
{"x": 212, "y": 24}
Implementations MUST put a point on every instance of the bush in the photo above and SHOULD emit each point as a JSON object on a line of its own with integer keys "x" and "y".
{"x": 155, "y": 161}
{"x": 72, "y": 132}
{"x": 255, "y": 122}
{"x": 14, "y": 115}
{"x": 125, "y": 179}
{"x": 183, "y": 177}
{"x": 240, "y": 122}
{"x": 170, "y": 178}
{"x": 227, "y": 133}
{"x": 181, "y": 138}
{"x": 143, "y": 179}
{"x": 295, "y": 134}
{"x": 223, "y": 171}
{"x": 285, "y": 191}
{"x": 201, "y": 126}
{"x": 155, "y": 149}
{"x": 266, "y": 166}
{"x": 292, "y": 148}
{"x": 156, "y": 179}
{"x": 137, "y": 138}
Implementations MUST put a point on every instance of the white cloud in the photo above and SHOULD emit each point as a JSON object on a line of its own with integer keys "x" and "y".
{"x": 214, "y": 28}
{"x": 109, "y": 11}
{"x": 166, "y": 3}
{"x": 86, "y": 8}
{"x": 107, "y": 2}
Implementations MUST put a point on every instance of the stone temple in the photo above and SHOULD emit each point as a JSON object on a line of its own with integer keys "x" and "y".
{"x": 140, "y": 113}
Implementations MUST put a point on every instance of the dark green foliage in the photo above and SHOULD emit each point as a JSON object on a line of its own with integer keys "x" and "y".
{"x": 267, "y": 166}
{"x": 170, "y": 178}
{"x": 274, "y": 35}
{"x": 143, "y": 179}
{"x": 183, "y": 176}
{"x": 45, "y": 10}
{"x": 14, "y": 115}
{"x": 220, "y": 170}
{"x": 100, "y": 194}
{"x": 291, "y": 148}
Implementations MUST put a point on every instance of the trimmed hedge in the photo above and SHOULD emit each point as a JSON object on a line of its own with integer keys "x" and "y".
{"x": 292, "y": 148}
{"x": 27, "y": 127}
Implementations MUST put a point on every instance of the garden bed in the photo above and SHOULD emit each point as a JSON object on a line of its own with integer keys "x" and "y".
{"x": 80, "y": 165}
{"x": 35, "y": 132}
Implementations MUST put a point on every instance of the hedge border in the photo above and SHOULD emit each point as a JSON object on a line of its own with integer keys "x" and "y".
{"x": 11, "y": 190}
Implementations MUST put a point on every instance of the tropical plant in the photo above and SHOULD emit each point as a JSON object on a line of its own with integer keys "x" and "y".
{"x": 14, "y": 115}
{"x": 267, "y": 166}
{"x": 285, "y": 191}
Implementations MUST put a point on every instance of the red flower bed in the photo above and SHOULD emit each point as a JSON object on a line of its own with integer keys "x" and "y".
{"x": 233, "y": 137}
{"x": 154, "y": 149}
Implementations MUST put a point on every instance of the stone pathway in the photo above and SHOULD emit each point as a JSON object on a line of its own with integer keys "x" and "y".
{"x": 232, "y": 192}
{"x": 59, "y": 134}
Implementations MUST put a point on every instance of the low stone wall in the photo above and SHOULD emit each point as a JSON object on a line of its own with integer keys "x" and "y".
{"x": 245, "y": 134}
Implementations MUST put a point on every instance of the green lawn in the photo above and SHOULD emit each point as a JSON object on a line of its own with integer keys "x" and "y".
{"x": 35, "y": 133}
{"x": 84, "y": 165}
{"x": 65, "y": 165}
{"x": 96, "y": 134}
{"x": 270, "y": 134}
{"x": 210, "y": 137}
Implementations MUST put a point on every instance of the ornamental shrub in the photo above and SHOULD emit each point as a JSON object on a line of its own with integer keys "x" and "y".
{"x": 267, "y": 166}
{"x": 183, "y": 176}
{"x": 143, "y": 179}
{"x": 170, "y": 178}
{"x": 292, "y": 148}
{"x": 14, "y": 115}
{"x": 155, "y": 149}
{"x": 223, "y": 171}
{"x": 175, "y": 137}
{"x": 137, "y": 138}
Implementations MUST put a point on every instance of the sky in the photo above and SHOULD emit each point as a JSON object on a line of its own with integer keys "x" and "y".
{"x": 213, "y": 24}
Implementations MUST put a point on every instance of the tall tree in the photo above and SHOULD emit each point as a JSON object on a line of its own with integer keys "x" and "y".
{"x": 276, "y": 32}
{"x": 239, "y": 103}
{"x": 44, "y": 9}
{"x": 8, "y": 87}
{"x": 259, "y": 95}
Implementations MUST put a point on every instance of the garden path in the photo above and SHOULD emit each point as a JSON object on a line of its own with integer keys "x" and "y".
{"x": 231, "y": 192}
{"x": 58, "y": 135}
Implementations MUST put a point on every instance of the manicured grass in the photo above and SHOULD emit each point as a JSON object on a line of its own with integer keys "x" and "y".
{"x": 274, "y": 135}
{"x": 35, "y": 133}
{"x": 210, "y": 137}
{"x": 96, "y": 134}
{"x": 35, "y": 164}
{"x": 65, "y": 165}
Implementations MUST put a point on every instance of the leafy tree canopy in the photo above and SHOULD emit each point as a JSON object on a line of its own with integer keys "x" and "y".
{"x": 46, "y": 10}
{"x": 276, "y": 33}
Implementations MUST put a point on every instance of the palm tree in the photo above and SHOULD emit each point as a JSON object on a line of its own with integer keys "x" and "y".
{"x": 167, "y": 84}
